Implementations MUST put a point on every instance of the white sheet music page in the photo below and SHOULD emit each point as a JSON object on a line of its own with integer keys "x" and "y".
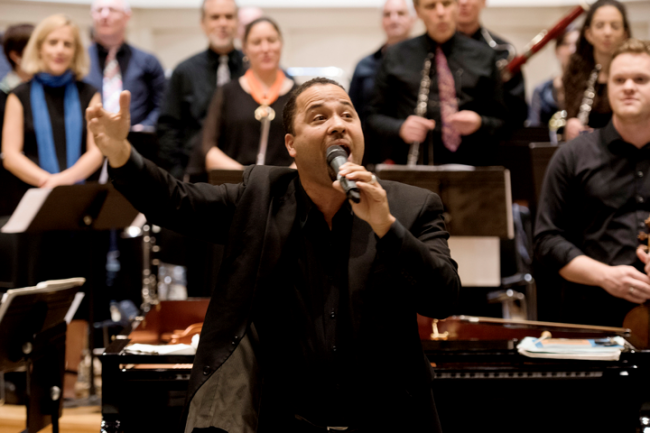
{"x": 26, "y": 211}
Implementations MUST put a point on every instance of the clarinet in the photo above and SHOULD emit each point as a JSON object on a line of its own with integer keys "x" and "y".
{"x": 588, "y": 97}
{"x": 421, "y": 107}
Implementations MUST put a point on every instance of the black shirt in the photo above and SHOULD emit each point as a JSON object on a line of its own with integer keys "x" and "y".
{"x": 362, "y": 88}
{"x": 514, "y": 90}
{"x": 595, "y": 197}
{"x": 601, "y": 113}
{"x": 232, "y": 126}
{"x": 363, "y": 81}
{"x": 309, "y": 318}
{"x": 185, "y": 105}
{"x": 478, "y": 89}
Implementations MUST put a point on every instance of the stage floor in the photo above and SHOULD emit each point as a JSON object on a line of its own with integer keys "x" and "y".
{"x": 75, "y": 420}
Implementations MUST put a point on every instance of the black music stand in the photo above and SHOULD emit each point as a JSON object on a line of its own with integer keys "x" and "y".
{"x": 32, "y": 330}
{"x": 90, "y": 208}
{"x": 478, "y": 206}
{"x": 71, "y": 207}
{"x": 477, "y": 200}
{"x": 527, "y": 162}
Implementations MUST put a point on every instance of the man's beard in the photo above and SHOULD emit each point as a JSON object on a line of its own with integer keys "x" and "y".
{"x": 221, "y": 43}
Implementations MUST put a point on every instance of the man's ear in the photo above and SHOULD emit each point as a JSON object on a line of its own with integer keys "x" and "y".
{"x": 288, "y": 142}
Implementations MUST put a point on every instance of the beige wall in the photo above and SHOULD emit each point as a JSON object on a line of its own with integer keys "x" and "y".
{"x": 313, "y": 36}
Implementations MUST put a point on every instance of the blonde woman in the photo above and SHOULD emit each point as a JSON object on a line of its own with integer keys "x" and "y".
{"x": 45, "y": 142}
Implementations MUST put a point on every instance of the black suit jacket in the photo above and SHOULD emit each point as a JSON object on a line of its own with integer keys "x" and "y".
{"x": 409, "y": 270}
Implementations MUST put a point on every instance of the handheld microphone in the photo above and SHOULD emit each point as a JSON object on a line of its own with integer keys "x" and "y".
{"x": 336, "y": 157}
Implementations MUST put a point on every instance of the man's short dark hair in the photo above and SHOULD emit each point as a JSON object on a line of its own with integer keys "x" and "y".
{"x": 289, "y": 111}
{"x": 15, "y": 39}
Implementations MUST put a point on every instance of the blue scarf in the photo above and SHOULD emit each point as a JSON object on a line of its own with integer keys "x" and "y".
{"x": 43, "y": 125}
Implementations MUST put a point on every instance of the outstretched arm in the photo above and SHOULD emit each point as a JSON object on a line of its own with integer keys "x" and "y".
{"x": 200, "y": 210}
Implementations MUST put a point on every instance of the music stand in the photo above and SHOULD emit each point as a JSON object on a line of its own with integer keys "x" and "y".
{"x": 90, "y": 208}
{"x": 71, "y": 208}
{"x": 477, "y": 200}
{"x": 32, "y": 330}
{"x": 527, "y": 162}
{"x": 478, "y": 213}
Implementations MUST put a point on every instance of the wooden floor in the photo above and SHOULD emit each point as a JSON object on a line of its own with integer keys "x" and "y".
{"x": 75, "y": 420}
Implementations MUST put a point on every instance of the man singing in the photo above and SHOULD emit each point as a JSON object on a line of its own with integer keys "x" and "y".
{"x": 312, "y": 324}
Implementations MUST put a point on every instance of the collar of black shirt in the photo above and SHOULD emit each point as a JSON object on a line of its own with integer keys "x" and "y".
{"x": 213, "y": 57}
{"x": 446, "y": 46}
{"x": 612, "y": 139}
{"x": 377, "y": 55}
{"x": 307, "y": 209}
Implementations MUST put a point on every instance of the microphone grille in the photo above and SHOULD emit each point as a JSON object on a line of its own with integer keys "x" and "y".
{"x": 334, "y": 152}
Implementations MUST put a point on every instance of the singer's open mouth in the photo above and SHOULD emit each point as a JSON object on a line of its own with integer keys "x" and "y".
{"x": 344, "y": 146}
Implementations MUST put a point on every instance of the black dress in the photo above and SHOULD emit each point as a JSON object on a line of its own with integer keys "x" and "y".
{"x": 54, "y": 98}
{"x": 35, "y": 257}
{"x": 601, "y": 112}
{"x": 232, "y": 126}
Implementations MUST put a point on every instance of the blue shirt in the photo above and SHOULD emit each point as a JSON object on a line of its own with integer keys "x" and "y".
{"x": 142, "y": 75}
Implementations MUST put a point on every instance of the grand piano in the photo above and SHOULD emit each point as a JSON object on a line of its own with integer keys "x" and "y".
{"x": 481, "y": 381}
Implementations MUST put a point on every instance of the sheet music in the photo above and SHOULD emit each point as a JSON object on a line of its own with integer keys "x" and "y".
{"x": 26, "y": 211}
{"x": 603, "y": 349}
{"x": 443, "y": 167}
{"x": 73, "y": 308}
{"x": 160, "y": 349}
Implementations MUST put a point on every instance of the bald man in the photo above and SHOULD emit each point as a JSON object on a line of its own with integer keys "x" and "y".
{"x": 247, "y": 15}
{"x": 132, "y": 69}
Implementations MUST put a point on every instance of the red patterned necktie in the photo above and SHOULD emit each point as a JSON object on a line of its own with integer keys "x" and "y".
{"x": 448, "y": 101}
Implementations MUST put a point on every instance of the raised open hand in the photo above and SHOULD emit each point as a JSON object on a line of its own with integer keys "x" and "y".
{"x": 111, "y": 129}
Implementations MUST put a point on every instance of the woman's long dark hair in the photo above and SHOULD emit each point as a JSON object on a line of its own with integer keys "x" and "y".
{"x": 582, "y": 63}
